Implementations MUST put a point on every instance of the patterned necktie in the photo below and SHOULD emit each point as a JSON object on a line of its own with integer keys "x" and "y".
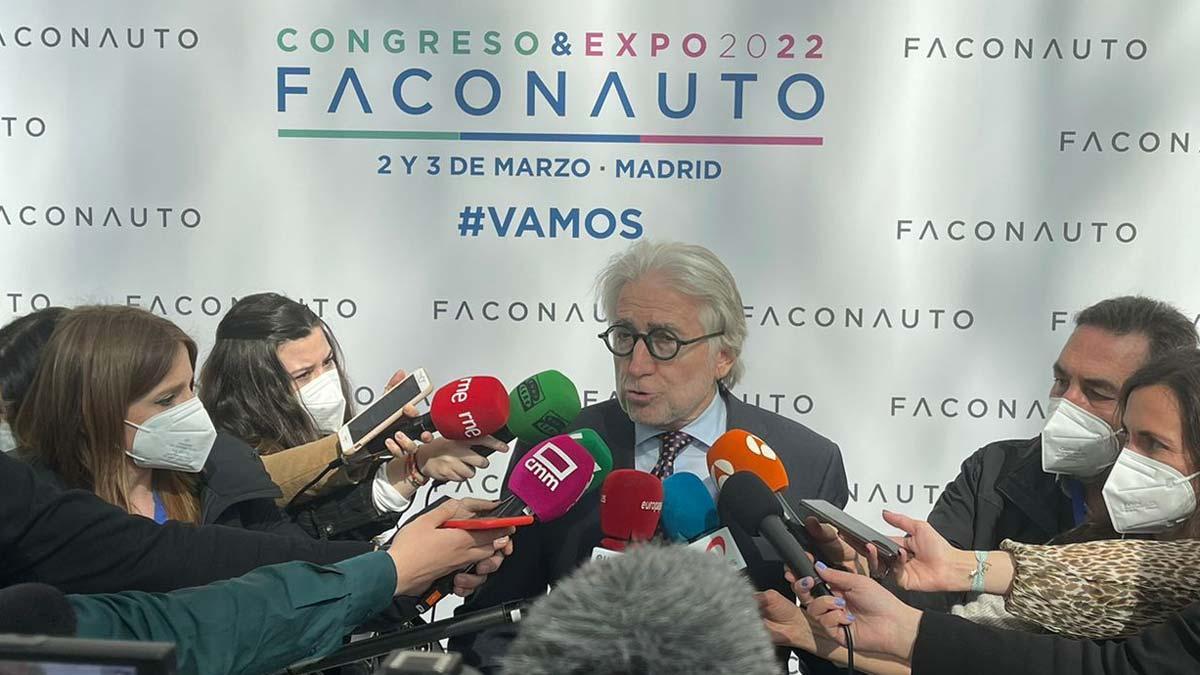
{"x": 672, "y": 443}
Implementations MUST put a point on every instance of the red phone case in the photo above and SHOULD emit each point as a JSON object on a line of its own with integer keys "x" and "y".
{"x": 488, "y": 523}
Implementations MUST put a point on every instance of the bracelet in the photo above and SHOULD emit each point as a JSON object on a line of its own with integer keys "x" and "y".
{"x": 981, "y": 568}
{"x": 415, "y": 478}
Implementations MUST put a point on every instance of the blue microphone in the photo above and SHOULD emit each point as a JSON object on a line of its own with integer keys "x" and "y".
{"x": 688, "y": 509}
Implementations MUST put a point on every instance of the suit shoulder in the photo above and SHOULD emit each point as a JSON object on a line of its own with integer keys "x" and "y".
{"x": 596, "y": 414}
{"x": 786, "y": 434}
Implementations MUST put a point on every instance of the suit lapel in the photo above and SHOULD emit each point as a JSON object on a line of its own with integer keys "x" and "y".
{"x": 735, "y": 411}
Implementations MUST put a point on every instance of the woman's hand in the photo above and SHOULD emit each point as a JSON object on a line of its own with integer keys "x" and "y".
{"x": 423, "y": 551}
{"x": 928, "y": 562}
{"x": 879, "y": 620}
{"x": 444, "y": 459}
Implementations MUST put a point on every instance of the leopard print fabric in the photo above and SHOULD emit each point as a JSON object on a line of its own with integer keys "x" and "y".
{"x": 1103, "y": 589}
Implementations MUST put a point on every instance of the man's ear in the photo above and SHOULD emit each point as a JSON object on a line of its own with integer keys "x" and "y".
{"x": 724, "y": 363}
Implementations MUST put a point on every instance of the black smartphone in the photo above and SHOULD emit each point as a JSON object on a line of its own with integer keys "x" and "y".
{"x": 850, "y": 527}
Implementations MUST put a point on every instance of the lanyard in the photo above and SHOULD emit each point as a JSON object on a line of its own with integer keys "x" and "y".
{"x": 1078, "y": 500}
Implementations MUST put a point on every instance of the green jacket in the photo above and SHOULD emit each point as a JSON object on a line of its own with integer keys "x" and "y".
{"x": 257, "y": 623}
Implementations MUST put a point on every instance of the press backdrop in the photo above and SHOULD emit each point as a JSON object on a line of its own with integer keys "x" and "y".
{"x": 914, "y": 197}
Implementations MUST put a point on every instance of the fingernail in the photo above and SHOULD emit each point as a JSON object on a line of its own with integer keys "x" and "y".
{"x": 806, "y": 583}
{"x": 840, "y": 602}
{"x": 849, "y": 617}
{"x": 502, "y": 541}
{"x": 821, "y": 566}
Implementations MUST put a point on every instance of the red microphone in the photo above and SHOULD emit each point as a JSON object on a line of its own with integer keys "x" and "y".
{"x": 630, "y": 505}
{"x": 463, "y": 410}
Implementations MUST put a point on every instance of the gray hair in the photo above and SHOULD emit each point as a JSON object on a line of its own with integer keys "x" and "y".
{"x": 694, "y": 271}
{"x": 654, "y": 610}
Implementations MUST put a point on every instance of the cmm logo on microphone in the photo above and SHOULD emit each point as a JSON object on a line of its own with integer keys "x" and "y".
{"x": 551, "y": 465}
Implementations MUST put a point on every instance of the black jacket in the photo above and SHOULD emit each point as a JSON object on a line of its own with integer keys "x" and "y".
{"x": 543, "y": 553}
{"x": 347, "y": 512}
{"x": 1000, "y": 493}
{"x": 949, "y": 644}
{"x": 76, "y": 541}
{"x": 236, "y": 490}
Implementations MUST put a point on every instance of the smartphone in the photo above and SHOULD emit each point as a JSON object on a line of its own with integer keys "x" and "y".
{"x": 488, "y": 523}
{"x": 850, "y": 527}
{"x": 382, "y": 413}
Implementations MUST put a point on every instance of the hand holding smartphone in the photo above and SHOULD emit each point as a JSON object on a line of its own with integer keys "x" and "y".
{"x": 382, "y": 413}
{"x": 854, "y": 531}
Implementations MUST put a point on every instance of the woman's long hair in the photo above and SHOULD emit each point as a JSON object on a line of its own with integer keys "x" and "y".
{"x": 246, "y": 389}
{"x": 97, "y": 363}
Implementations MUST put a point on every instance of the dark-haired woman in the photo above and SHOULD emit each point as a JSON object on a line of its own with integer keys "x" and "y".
{"x": 21, "y": 343}
{"x": 276, "y": 379}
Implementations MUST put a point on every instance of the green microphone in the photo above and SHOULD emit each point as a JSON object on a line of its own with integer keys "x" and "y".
{"x": 542, "y": 406}
{"x": 595, "y": 445}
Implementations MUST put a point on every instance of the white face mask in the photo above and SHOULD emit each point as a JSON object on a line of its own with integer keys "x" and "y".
{"x": 1076, "y": 442}
{"x": 1145, "y": 496}
{"x": 8, "y": 442}
{"x": 178, "y": 438}
{"x": 323, "y": 400}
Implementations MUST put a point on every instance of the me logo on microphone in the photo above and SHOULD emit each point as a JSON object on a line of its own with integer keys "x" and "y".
{"x": 759, "y": 447}
{"x": 551, "y": 465}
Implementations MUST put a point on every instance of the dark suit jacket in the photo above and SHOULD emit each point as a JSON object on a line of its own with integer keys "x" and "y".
{"x": 543, "y": 553}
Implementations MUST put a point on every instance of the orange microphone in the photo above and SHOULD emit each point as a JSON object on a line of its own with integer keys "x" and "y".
{"x": 739, "y": 450}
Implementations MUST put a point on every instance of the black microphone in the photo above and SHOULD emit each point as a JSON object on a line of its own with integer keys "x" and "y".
{"x": 471, "y": 622}
{"x": 754, "y": 508}
{"x": 36, "y": 609}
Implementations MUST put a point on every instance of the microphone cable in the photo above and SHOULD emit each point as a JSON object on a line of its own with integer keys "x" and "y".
{"x": 324, "y": 472}
{"x": 849, "y": 650}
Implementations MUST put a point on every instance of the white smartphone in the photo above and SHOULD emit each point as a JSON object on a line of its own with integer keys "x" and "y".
{"x": 382, "y": 413}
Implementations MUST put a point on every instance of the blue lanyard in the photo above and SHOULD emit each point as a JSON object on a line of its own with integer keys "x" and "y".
{"x": 160, "y": 509}
{"x": 1078, "y": 500}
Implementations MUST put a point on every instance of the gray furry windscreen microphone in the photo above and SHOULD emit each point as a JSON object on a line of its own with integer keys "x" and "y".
{"x": 654, "y": 610}
{"x": 36, "y": 609}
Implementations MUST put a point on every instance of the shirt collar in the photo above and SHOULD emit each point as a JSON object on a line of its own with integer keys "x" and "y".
{"x": 706, "y": 428}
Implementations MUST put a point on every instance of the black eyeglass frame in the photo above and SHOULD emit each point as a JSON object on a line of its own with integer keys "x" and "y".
{"x": 644, "y": 337}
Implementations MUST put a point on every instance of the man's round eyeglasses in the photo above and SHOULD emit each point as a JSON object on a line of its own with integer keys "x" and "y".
{"x": 660, "y": 342}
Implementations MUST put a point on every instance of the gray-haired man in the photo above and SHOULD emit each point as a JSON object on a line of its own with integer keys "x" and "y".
{"x": 676, "y": 332}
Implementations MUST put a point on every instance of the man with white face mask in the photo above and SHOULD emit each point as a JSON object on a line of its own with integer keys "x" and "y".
{"x": 1031, "y": 490}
